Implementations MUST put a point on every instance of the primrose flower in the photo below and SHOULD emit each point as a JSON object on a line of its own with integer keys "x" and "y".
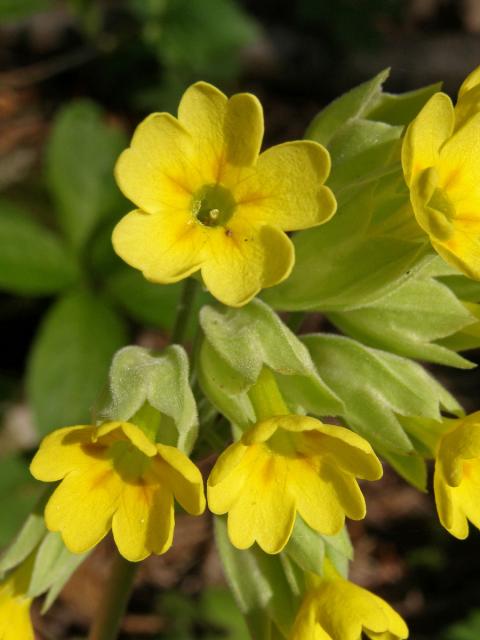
{"x": 440, "y": 162}
{"x": 113, "y": 476}
{"x": 457, "y": 476}
{"x": 15, "y": 622}
{"x": 208, "y": 201}
{"x": 336, "y": 609}
{"x": 286, "y": 465}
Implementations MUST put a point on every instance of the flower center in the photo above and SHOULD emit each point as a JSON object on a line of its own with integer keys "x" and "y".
{"x": 128, "y": 461}
{"x": 213, "y": 205}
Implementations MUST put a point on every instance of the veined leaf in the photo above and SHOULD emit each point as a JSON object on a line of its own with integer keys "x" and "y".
{"x": 69, "y": 362}
{"x": 33, "y": 260}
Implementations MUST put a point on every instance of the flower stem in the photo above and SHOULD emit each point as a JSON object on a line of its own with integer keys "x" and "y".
{"x": 115, "y": 598}
{"x": 184, "y": 309}
{"x": 117, "y": 591}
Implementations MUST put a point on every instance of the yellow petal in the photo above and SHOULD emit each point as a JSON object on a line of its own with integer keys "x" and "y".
{"x": 229, "y": 476}
{"x": 449, "y": 512}
{"x": 345, "y": 610}
{"x": 352, "y": 455}
{"x": 182, "y": 478}
{"x": 466, "y": 495}
{"x": 226, "y": 133}
{"x": 315, "y": 498}
{"x": 459, "y": 444}
{"x": 61, "y": 452}
{"x": 82, "y": 506}
{"x": 287, "y": 189}
{"x": 426, "y": 134}
{"x": 459, "y": 174}
{"x": 165, "y": 247}
{"x": 15, "y": 622}
{"x": 144, "y": 521}
{"x": 132, "y": 433}
{"x": 462, "y": 251}
{"x": 470, "y": 82}
{"x": 264, "y": 511}
{"x": 244, "y": 260}
{"x": 156, "y": 172}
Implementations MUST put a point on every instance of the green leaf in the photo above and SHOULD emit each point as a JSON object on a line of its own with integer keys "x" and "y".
{"x": 340, "y": 542}
{"x": 258, "y": 583}
{"x": 409, "y": 320}
{"x": 203, "y": 37}
{"x": 218, "y": 608}
{"x": 306, "y": 547}
{"x": 468, "y": 337}
{"x": 52, "y": 567}
{"x": 345, "y": 108}
{"x": 468, "y": 629}
{"x": 33, "y": 260}
{"x": 464, "y": 288}
{"x": 137, "y": 377}
{"x": 354, "y": 259}
{"x": 17, "y": 9}
{"x": 67, "y": 563}
{"x": 376, "y": 387}
{"x": 215, "y": 378}
{"x": 400, "y": 109}
{"x": 80, "y": 158}
{"x": 27, "y": 538}
{"x": 18, "y": 495}
{"x": 238, "y": 343}
{"x": 359, "y": 148}
{"x": 412, "y": 468}
{"x": 69, "y": 362}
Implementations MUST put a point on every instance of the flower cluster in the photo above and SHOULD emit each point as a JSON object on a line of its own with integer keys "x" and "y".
{"x": 336, "y": 609}
{"x": 457, "y": 475}
{"x": 208, "y": 201}
{"x": 114, "y": 477}
{"x": 440, "y": 162}
{"x": 213, "y": 206}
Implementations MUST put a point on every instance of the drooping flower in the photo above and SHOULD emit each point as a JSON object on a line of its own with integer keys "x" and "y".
{"x": 114, "y": 477}
{"x": 336, "y": 609}
{"x": 440, "y": 162}
{"x": 286, "y": 465}
{"x": 208, "y": 201}
{"x": 15, "y": 622}
{"x": 457, "y": 475}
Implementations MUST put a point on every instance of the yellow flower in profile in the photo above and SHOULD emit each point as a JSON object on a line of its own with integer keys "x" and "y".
{"x": 114, "y": 477}
{"x": 208, "y": 200}
{"x": 286, "y": 465}
{"x": 336, "y": 609}
{"x": 457, "y": 476}
{"x": 440, "y": 161}
{"x": 15, "y": 622}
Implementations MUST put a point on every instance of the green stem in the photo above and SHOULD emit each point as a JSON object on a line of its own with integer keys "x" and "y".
{"x": 265, "y": 396}
{"x": 184, "y": 309}
{"x": 115, "y": 598}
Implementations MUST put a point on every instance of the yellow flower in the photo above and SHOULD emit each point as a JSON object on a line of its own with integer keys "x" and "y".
{"x": 440, "y": 162}
{"x": 289, "y": 464}
{"x": 208, "y": 201}
{"x": 457, "y": 476}
{"x": 15, "y": 623}
{"x": 114, "y": 477}
{"x": 336, "y": 609}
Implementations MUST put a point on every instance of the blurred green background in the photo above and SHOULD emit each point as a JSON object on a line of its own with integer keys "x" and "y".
{"x": 76, "y": 76}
